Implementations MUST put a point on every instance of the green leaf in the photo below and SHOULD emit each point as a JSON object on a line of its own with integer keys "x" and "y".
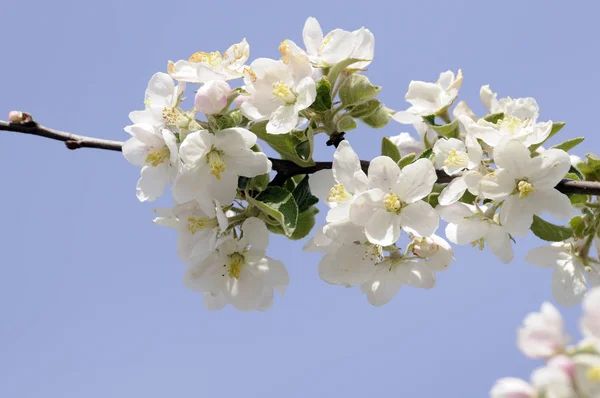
{"x": 568, "y": 144}
{"x": 303, "y": 150}
{"x": 577, "y": 223}
{"x": 406, "y": 160}
{"x": 284, "y": 144}
{"x": 346, "y": 123}
{"x": 468, "y": 198}
{"x": 336, "y": 69}
{"x": 426, "y": 154}
{"x": 429, "y": 119}
{"x": 432, "y": 199}
{"x": 365, "y": 109}
{"x": 306, "y": 222}
{"x": 556, "y": 127}
{"x": 279, "y": 205}
{"x": 302, "y": 195}
{"x": 357, "y": 88}
{"x": 573, "y": 176}
{"x": 449, "y": 130}
{"x": 378, "y": 119}
{"x": 323, "y": 102}
{"x": 494, "y": 117}
{"x": 388, "y": 148}
{"x": 259, "y": 183}
{"x": 550, "y": 232}
{"x": 577, "y": 199}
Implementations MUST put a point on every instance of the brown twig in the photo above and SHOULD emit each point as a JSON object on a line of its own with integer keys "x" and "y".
{"x": 284, "y": 168}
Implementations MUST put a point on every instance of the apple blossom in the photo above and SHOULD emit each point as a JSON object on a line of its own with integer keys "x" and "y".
{"x": 590, "y": 322}
{"x": 277, "y": 94}
{"x": 473, "y": 224}
{"x": 526, "y": 185}
{"x": 511, "y": 387}
{"x": 203, "y": 67}
{"x": 394, "y": 201}
{"x": 407, "y": 144}
{"x": 161, "y": 100}
{"x": 213, "y": 162}
{"x": 433, "y": 250}
{"x": 240, "y": 270}
{"x": 155, "y": 151}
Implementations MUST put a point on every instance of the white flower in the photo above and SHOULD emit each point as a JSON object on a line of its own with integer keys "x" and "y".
{"x": 590, "y": 321}
{"x": 203, "y": 67}
{"x": 394, "y": 201}
{"x": 471, "y": 224}
{"x": 435, "y": 252}
{"x": 211, "y": 98}
{"x": 587, "y": 375}
{"x": 338, "y": 187}
{"x": 161, "y": 100}
{"x": 526, "y": 185}
{"x": 199, "y": 230}
{"x": 392, "y": 273}
{"x": 542, "y": 334}
{"x": 155, "y": 151}
{"x": 278, "y": 91}
{"x": 568, "y": 279}
{"x": 240, "y": 270}
{"x": 338, "y": 45}
{"x": 520, "y": 108}
{"x": 213, "y": 162}
{"x": 349, "y": 259}
{"x": 551, "y": 382}
{"x": 511, "y": 387}
{"x": 430, "y": 98}
{"x": 407, "y": 144}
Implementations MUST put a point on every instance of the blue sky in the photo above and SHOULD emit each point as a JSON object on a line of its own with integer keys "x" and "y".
{"x": 91, "y": 299}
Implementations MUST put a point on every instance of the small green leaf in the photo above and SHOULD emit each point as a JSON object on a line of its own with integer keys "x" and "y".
{"x": 365, "y": 109}
{"x": 494, "y": 117}
{"x": 302, "y": 195}
{"x": 556, "y": 127}
{"x": 346, "y": 123}
{"x": 259, "y": 183}
{"x": 577, "y": 199}
{"x": 573, "y": 176}
{"x": 306, "y": 222}
{"x": 568, "y": 144}
{"x": 429, "y": 119}
{"x": 336, "y": 69}
{"x": 449, "y": 130}
{"x": 378, "y": 119}
{"x": 279, "y": 205}
{"x": 284, "y": 144}
{"x": 357, "y": 88}
{"x": 427, "y": 154}
{"x": 388, "y": 148}
{"x": 303, "y": 150}
{"x": 577, "y": 223}
{"x": 323, "y": 102}
{"x": 406, "y": 160}
{"x": 550, "y": 232}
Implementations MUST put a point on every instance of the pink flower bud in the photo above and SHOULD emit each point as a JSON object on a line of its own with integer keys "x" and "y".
{"x": 211, "y": 98}
{"x": 240, "y": 100}
{"x": 563, "y": 363}
{"x": 542, "y": 334}
{"x": 15, "y": 117}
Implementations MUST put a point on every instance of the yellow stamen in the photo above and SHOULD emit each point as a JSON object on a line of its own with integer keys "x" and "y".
{"x": 170, "y": 115}
{"x": 479, "y": 243}
{"x": 338, "y": 194}
{"x": 524, "y": 189}
{"x": 456, "y": 158}
{"x": 195, "y": 224}
{"x": 593, "y": 374}
{"x": 373, "y": 252}
{"x": 170, "y": 67}
{"x": 423, "y": 247}
{"x": 284, "y": 92}
{"x": 236, "y": 263}
{"x": 392, "y": 203}
{"x": 158, "y": 156}
{"x": 215, "y": 162}
{"x": 249, "y": 72}
{"x": 213, "y": 59}
{"x": 509, "y": 123}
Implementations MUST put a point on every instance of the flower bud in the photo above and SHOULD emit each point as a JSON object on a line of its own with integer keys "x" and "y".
{"x": 542, "y": 334}
{"x": 511, "y": 387}
{"x": 211, "y": 98}
{"x": 563, "y": 363}
{"x": 15, "y": 117}
{"x": 356, "y": 89}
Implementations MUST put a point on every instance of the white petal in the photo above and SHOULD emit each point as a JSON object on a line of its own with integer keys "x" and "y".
{"x": 455, "y": 213}
{"x": 452, "y": 192}
{"x": 568, "y": 285}
{"x": 152, "y": 183}
{"x": 235, "y": 139}
{"x": 160, "y": 90}
{"x": 383, "y": 287}
{"x": 195, "y": 146}
{"x": 312, "y": 36}
{"x": 516, "y": 215}
{"x": 345, "y": 165}
{"x": 420, "y": 218}
{"x": 320, "y": 184}
{"x": 273, "y": 272}
{"x": 416, "y": 274}
{"x": 547, "y": 256}
{"x": 549, "y": 168}
{"x": 514, "y": 156}
{"x": 255, "y": 234}
{"x": 498, "y": 241}
{"x": 214, "y": 301}
{"x": 405, "y": 117}
{"x": 383, "y": 173}
{"x": 365, "y": 204}
{"x": 135, "y": 151}
{"x": 383, "y": 228}
{"x": 245, "y": 293}
{"x": 416, "y": 181}
{"x": 249, "y": 163}
{"x": 283, "y": 120}
{"x": 146, "y": 133}
{"x": 466, "y": 231}
{"x": 498, "y": 185}
{"x": 553, "y": 202}
{"x": 307, "y": 93}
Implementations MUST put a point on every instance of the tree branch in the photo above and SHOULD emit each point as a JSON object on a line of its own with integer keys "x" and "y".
{"x": 284, "y": 168}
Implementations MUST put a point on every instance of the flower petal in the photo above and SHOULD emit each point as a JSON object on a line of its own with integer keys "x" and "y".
{"x": 415, "y": 181}
{"x": 383, "y": 173}
{"x": 383, "y": 228}
{"x": 419, "y": 218}
{"x": 549, "y": 168}
{"x": 283, "y": 120}
{"x": 345, "y": 165}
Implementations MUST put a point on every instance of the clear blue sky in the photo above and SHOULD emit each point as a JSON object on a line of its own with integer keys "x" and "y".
{"x": 91, "y": 299}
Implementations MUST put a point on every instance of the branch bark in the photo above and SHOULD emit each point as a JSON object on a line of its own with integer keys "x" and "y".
{"x": 284, "y": 168}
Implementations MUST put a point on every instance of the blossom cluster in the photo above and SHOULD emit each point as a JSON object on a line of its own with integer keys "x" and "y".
{"x": 570, "y": 371}
{"x": 488, "y": 178}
